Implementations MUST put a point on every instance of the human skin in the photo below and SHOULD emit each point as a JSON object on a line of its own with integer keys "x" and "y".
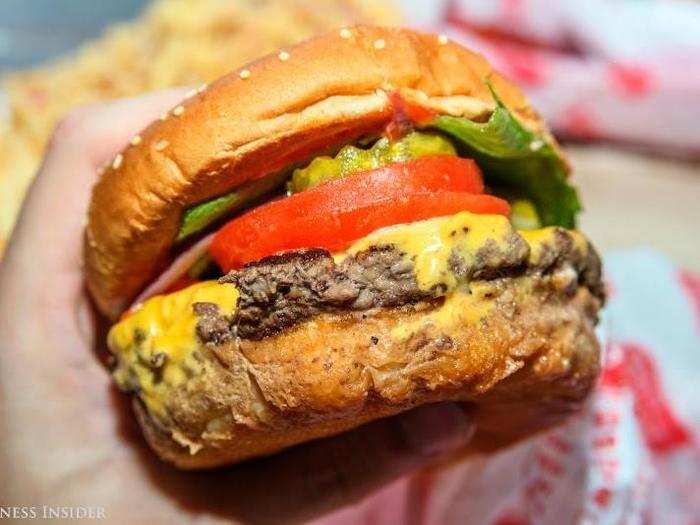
{"x": 68, "y": 436}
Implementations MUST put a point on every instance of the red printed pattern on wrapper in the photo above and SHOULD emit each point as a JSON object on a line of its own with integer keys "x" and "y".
{"x": 522, "y": 65}
{"x": 690, "y": 284}
{"x": 611, "y": 493}
{"x": 511, "y": 517}
{"x": 632, "y": 373}
{"x": 636, "y": 371}
{"x": 631, "y": 80}
{"x": 578, "y": 120}
{"x": 551, "y": 468}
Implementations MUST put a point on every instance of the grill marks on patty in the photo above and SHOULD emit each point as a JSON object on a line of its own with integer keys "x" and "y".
{"x": 280, "y": 291}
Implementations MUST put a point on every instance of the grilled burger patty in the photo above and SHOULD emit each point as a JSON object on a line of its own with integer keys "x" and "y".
{"x": 280, "y": 291}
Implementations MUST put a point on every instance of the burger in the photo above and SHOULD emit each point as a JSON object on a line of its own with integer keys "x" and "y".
{"x": 366, "y": 222}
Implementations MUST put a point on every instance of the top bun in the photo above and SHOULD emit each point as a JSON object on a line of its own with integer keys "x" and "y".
{"x": 281, "y": 109}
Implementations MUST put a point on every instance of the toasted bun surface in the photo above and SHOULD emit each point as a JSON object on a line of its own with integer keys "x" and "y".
{"x": 281, "y": 109}
{"x": 525, "y": 366}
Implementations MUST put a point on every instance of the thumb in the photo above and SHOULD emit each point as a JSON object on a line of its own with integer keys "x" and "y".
{"x": 49, "y": 229}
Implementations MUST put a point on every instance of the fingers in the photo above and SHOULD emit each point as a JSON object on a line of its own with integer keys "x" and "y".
{"x": 98, "y": 131}
{"x": 339, "y": 471}
{"x": 87, "y": 138}
{"x": 49, "y": 230}
{"x": 318, "y": 477}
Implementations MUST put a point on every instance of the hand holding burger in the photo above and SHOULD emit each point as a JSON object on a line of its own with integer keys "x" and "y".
{"x": 68, "y": 435}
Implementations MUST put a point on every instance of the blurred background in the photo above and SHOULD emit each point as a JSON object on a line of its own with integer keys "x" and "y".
{"x": 619, "y": 82}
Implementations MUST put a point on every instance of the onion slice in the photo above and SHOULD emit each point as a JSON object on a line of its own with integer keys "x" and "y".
{"x": 179, "y": 267}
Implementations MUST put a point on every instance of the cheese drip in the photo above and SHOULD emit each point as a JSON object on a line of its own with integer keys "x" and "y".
{"x": 157, "y": 346}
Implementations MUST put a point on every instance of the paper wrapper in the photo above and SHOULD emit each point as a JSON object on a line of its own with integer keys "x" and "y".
{"x": 617, "y": 70}
{"x": 631, "y": 456}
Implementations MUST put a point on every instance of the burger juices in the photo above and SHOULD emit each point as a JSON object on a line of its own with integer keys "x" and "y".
{"x": 398, "y": 230}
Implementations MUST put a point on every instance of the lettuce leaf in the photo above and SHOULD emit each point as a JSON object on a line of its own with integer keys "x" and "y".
{"x": 516, "y": 158}
{"x": 201, "y": 216}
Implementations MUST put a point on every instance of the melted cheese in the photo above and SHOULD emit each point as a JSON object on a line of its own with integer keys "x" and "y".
{"x": 538, "y": 240}
{"x": 465, "y": 305}
{"x": 543, "y": 238}
{"x": 157, "y": 345}
{"x": 429, "y": 243}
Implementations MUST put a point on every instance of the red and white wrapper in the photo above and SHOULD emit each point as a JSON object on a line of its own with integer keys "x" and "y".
{"x": 626, "y": 71}
{"x": 617, "y": 70}
{"x": 631, "y": 457}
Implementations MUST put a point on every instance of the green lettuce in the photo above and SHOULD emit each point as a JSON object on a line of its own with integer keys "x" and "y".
{"x": 517, "y": 159}
{"x": 201, "y": 216}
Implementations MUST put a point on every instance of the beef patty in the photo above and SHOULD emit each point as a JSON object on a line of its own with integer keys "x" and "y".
{"x": 282, "y": 290}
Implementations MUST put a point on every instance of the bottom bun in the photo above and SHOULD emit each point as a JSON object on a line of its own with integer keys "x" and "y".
{"x": 524, "y": 363}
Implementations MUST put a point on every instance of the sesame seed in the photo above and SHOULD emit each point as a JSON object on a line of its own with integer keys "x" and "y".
{"x": 283, "y": 56}
{"x": 536, "y": 145}
{"x": 225, "y": 165}
{"x": 380, "y": 43}
{"x": 345, "y": 33}
{"x": 136, "y": 140}
{"x": 164, "y": 115}
{"x": 442, "y": 39}
{"x": 161, "y": 145}
{"x": 117, "y": 161}
{"x": 201, "y": 88}
{"x": 179, "y": 110}
{"x": 191, "y": 93}
{"x": 380, "y": 93}
{"x": 245, "y": 73}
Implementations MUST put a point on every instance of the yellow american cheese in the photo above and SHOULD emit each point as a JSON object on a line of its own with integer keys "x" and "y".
{"x": 429, "y": 243}
{"x": 162, "y": 331}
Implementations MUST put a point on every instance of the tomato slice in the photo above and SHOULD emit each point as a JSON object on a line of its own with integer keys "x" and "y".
{"x": 336, "y": 213}
{"x": 433, "y": 173}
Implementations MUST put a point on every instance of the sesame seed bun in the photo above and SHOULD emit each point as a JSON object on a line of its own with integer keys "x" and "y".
{"x": 284, "y": 108}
